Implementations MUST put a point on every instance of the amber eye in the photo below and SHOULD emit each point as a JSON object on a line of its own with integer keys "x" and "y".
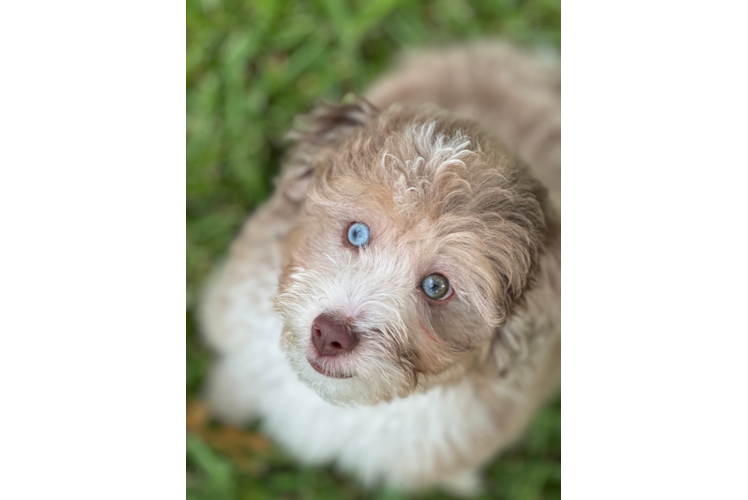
{"x": 435, "y": 286}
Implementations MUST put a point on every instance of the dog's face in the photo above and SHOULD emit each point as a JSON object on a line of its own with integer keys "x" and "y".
{"x": 417, "y": 237}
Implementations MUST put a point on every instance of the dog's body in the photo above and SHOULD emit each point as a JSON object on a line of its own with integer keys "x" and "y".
{"x": 432, "y": 388}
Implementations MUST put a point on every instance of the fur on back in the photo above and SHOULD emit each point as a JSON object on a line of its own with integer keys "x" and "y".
{"x": 513, "y": 94}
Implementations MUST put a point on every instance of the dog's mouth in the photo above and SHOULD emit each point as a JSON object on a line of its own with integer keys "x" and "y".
{"x": 326, "y": 372}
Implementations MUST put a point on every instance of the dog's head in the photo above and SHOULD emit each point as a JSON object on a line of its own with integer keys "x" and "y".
{"x": 417, "y": 237}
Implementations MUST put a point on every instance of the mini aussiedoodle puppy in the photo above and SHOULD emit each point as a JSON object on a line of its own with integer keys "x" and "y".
{"x": 394, "y": 308}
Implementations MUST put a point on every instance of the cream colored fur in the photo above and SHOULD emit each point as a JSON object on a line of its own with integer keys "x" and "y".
{"x": 437, "y": 389}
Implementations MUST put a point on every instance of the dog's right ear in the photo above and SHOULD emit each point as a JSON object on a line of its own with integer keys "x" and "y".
{"x": 326, "y": 127}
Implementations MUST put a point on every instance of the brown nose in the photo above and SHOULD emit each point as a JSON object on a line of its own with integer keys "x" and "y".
{"x": 331, "y": 337}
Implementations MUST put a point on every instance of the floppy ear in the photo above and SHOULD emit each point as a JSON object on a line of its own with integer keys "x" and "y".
{"x": 510, "y": 339}
{"x": 326, "y": 127}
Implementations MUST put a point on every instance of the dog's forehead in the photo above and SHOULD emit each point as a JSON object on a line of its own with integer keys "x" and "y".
{"x": 436, "y": 185}
{"x": 407, "y": 171}
{"x": 416, "y": 171}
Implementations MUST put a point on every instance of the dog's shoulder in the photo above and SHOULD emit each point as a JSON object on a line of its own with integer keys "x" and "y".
{"x": 250, "y": 271}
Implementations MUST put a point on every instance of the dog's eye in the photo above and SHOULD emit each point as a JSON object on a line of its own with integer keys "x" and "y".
{"x": 358, "y": 234}
{"x": 435, "y": 286}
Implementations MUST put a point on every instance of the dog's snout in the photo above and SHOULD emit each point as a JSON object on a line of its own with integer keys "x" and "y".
{"x": 331, "y": 337}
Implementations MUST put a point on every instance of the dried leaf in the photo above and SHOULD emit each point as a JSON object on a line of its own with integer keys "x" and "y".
{"x": 235, "y": 443}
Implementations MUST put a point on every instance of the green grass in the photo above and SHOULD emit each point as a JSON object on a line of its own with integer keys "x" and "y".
{"x": 251, "y": 66}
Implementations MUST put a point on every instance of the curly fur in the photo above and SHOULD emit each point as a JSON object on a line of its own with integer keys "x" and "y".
{"x": 440, "y": 193}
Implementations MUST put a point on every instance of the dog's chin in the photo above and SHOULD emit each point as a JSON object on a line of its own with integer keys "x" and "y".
{"x": 327, "y": 372}
{"x": 338, "y": 387}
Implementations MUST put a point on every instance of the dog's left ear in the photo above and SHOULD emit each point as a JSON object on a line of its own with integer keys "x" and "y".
{"x": 510, "y": 341}
{"x": 326, "y": 127}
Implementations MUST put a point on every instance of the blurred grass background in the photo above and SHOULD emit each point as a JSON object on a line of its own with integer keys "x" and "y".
{"x": 251, "y": 66}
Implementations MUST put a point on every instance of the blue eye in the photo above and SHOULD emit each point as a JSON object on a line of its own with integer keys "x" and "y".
{"x": 358, "y": 234}
{"x": 435, "y": 286}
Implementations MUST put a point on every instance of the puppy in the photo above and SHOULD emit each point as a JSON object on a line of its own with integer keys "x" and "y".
{"x": 394, "y": 308}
